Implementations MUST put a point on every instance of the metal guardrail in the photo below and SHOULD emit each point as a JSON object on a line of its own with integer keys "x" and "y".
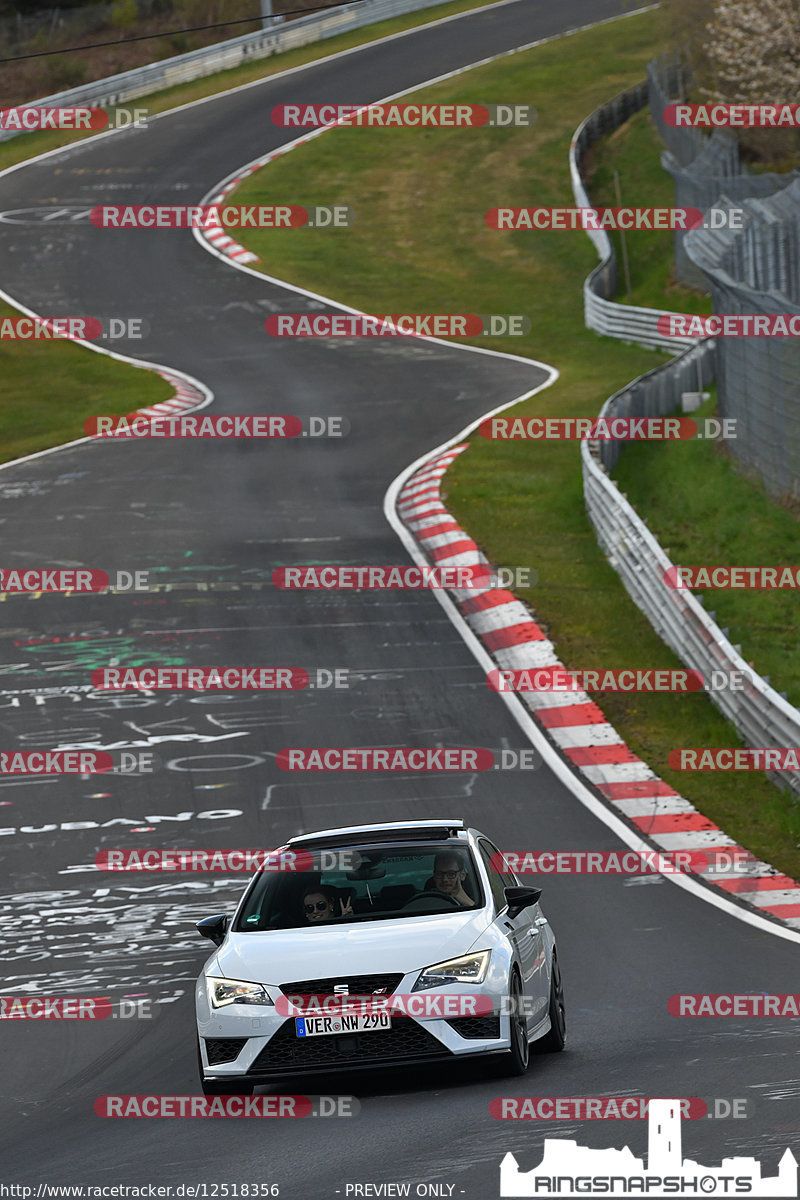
{"x": 601, "y": 313}
{"x": 761, "y": 716}
{"x": 222, "y": 56}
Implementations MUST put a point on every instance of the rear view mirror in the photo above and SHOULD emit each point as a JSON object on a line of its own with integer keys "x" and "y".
{"x": 367, "y": 866}
{"x": 366, "y": 872}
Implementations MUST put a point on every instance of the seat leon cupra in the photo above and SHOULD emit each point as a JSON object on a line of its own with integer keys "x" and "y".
{"x": 375, "y": 946}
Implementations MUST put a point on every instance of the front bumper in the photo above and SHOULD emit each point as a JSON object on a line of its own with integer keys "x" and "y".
{"x": 251, "y": 1041}
{"x": 407, "y": 1042}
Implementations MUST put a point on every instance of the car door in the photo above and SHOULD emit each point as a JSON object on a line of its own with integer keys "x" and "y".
{"x": 524, "y": 932}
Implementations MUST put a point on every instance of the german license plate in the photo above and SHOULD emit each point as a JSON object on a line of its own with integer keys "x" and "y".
{"x": 342, "y": 1023}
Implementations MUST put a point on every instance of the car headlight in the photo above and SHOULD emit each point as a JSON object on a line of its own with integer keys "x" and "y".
{"x": 470, "y": 968}
{"x": 235, "y": 991}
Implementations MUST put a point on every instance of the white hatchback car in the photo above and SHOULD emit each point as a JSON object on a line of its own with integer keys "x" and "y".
{"x": 404, "y": 915}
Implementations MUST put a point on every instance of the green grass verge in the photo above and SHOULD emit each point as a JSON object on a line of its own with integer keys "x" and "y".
{"x": 634, "y": 151}
{"x": 700, "y": 505}
{"x": 49, "y": 388}
{"x": 420, "y": 244}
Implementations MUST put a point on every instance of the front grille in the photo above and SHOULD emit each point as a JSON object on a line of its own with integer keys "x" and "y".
{"x": 358, "y": 985}
{"x": 220, "y": 1050}
{"x": 405, "y": 1039}
{"x": 476, "y": 1027}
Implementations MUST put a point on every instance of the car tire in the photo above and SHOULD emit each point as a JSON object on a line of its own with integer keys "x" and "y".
{"x": 517, "y": 1059}
{"x": 556, "y": 1037}
{"x": 222, "y": 1087}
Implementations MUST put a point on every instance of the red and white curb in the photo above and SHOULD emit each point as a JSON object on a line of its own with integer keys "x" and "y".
{"x": 186, "y": 398}
{"x": 573, "y": 722}
{"x": 216, "y": 235}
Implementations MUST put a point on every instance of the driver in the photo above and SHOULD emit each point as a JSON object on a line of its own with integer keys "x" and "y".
{"x": 449, "y": 876}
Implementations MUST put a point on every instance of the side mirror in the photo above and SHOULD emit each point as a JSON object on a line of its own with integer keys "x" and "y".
{"x": 521, "y": 897}
{"x": 215, "y": 928}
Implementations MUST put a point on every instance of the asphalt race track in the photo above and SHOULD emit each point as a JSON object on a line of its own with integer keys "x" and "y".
{"x": 213, "y": 519}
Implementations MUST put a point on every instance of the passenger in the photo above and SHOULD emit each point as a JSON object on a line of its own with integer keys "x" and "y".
{"x": 320, "y": 905}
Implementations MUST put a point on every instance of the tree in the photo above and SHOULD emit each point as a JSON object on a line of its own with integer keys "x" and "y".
{"x": 753, "y": 51}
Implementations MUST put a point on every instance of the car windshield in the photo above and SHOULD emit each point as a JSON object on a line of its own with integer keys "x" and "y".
{"x": 345, "y": 884}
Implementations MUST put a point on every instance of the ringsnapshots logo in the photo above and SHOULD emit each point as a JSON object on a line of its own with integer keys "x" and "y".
{"x": 569, "y": 1170}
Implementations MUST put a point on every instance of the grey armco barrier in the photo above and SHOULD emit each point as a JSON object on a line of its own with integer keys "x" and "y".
{"x": 222, "y": 56}
{"x": 702, "y": 166}
{"x": 601, "y": 313}
{"x": 756, "y": 269}
{"x": 760, "y": 715}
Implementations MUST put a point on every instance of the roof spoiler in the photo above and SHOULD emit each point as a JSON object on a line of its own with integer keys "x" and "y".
{"x": 424, "y": 831}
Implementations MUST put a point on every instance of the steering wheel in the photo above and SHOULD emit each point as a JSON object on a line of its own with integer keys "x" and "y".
{"x": 431, "y": 893}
